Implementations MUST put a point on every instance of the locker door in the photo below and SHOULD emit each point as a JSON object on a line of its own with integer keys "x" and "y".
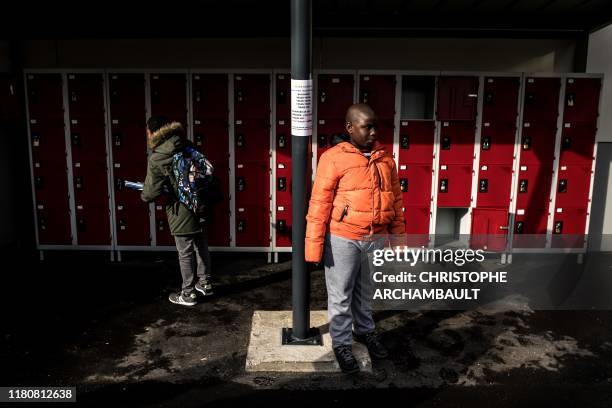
{"x": 86, "y": 96}
{"x": 457, "y": 142}
{"x": 577, "y": 144}
{"x": 132, "y": 222}
{"x": 251, "y": 96}
{"x": 127, "y": 96}
{"x": 537, "y": 144}
{"x": 129, "y": 144}
{"x": 497, "y": 143}
{"x": 45, "y": 96}
{"x": 252, "y": 226}
{"x": 169, "y": 96}
{"x": 457, "y": 98}
{"x": 283, "y": 96}
{"x": 530, "y": 228}
{"x": 417, "y": 225}
{"x": 334, "y": 95}
{"x": 210, "y": 98}
{"x": 416, "y": 141}
{"x": 500, "y": 100}
{"x": 385, "y": 134}
{"x": 327, "y": 129}
{"x": 51, "y": 197}
{"x": 415, "y": 181}
{"x": 48, "y": 141}
{"x": 88, "y": 143}
{"x": 378, "y": 91}
{"x": 573, "y": 185}
{"x": 93, "y": 223}
{"x": 541, "y": 103}
{"x": 283, "y": 184}
{"x": 568, "y": 228}
{"x": 582, "y": 100}
{"x": 454, "y": 185}
{"x": 489, "y": 229}
{"x": 533, "y": 189}
{"x": 53, "y": 223}
{"x": 494, "y": 182}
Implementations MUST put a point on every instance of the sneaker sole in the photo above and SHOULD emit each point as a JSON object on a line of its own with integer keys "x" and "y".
{"x": 355, "y": 371}
{"x": 182, "y": 304}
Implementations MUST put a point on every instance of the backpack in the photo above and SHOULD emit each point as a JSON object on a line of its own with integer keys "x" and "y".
{"x": 196, "y": 186}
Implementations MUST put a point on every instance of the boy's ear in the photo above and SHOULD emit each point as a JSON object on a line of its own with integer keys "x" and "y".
{"x": 348, "y": 126}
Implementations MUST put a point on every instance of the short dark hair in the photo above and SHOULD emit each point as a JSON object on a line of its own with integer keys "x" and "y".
{"x": 156, "y": 122}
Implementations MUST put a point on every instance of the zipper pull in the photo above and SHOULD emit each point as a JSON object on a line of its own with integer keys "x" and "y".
{"x": 344, "y": 213}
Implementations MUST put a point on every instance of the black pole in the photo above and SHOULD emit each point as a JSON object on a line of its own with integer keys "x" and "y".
{"x": 301, "y": 67}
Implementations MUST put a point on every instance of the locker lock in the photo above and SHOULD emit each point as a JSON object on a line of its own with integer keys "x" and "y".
{"x": 483, "y": 185}
{"x": 322, "y": 96}
{"x": 240, "y": 95}
{"x": 282, "y": 226}
{"x": 522, "y": 186}
{"x": 199, "y": 139}
{"x": 161, "y": 226}
{"x": 526, "y": 144}
{"x": 571, "y": 99}
{"x": 282, "y": 140}
{"x": 558, "y": 227}
{"x": 78, "y": 181}
{"x": 240, "y": 140}
{"x": 198, "y": 96}
{"x": 364, "y": 96}
{"x": 488, "y": 99}
{"x": 118, "y": 137}
{"x": 322, "y": 140}
{"x": 404, "y": 184}
{"x": 530, "y": 97}
{"x": 33, "y": 98}
{"x": 282, "y": 184}
{"x": 42, "y": 223}
{"x": 241, "y": 225}
{"x": 114, "y": 97}
{"x": 82, "y": 224}
{"x": 241, "y": 184}
{"x": 35, "y": 139}
{"x": 38, "y": 182}
{"x": 444, "y": 185}
{"x": 155, "y": 96}
{"x": 122, "y": 225}
{"x": 281, "y": 97}
{"x": 566, "y": 143}
{"x": 73, "y": 96}
{"x": 486, "y": 143}
{"x": 404, "y": 142}
{"x": 520, "y": 227}
{"x": 562, "y": 186}
{"x": 446, "y": 143}
{"x": 76, "y": 139}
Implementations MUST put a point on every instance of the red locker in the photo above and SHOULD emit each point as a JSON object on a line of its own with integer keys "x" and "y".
{"x": 457, "y": 98}
{"x": 500, "y": 100}
{"x": 169, "y": 96}
{"x": 252, "y": 140}
{"x": 45, "y": 96}
{"x": 416, "y": 141}
{"x": 132, "y": 221}
{"x": 129, "y": 145}
{"x": 577, "y": 144}
{"x": 127, "y": 96}
{"x": 569, "y": 227}
{"x": 48, "y": 141}
{"x": 283, "y": 184}
{"x": 93, "y": 223}
{"x": 530, "y": 228}
{"x": 53, "y": 223}
{"x": 489, "y": 229}
{"x": 252, "y": 225}
{"x": 162, "y": 229}
{"x": 415, "y": 181}
{"x": 582, "y": 100}
{"x": 385, "y": 134}
{"x": 497, "y": 143}
{"x": 454, "y": 185}
{"x": 417, "y": 225}
{"x": 86, "y": 96}
{"x": 494, "y": 182}
{"x": 573, "y": 183}
{"x": 283, "y": 96}
{"x": 327, "y": 129}
{"x": 210, "y": 96}
{"x": 541, "y": 103}
{"x": 251, "y": 96}
{"x": 533, "y": 190}
{"x": 252, "y": 183}
{"x": 537, "y": 144}
{"x": 87, "y": 143}
{"x": 334, "y": 95}
{"x": 457, "y": 142}
{"x": 378, "y": 91}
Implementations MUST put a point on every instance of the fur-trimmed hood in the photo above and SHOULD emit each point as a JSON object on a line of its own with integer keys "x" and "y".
{"x": 164, "y": 133}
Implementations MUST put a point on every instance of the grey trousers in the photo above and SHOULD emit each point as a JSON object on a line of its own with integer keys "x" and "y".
{"x": 194, "y": 259}
{"x": 349, "y": 286}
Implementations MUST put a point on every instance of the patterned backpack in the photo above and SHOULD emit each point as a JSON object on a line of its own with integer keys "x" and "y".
{"x": 193, "y": 174}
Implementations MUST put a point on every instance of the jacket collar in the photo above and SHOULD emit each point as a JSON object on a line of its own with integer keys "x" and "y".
{"x": 377, "y": 151}
{"x": 163, "y": 133}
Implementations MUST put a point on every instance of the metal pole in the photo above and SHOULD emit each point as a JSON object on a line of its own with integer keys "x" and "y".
{"x": 301, "y": 129}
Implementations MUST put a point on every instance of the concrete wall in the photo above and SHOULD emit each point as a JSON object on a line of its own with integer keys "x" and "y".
{"x": 328, "y": 53}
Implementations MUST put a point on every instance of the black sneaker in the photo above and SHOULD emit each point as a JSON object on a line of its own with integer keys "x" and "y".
{"x": 373, "y": 343}
{"x": 185, "y": 299}
{"x": 204, "y": 287}
{"x": 346, "y": 360}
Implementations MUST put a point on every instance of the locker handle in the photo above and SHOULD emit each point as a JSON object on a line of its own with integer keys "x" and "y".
{"x": 472, "y": 95}
{"x": 502, "y": 227}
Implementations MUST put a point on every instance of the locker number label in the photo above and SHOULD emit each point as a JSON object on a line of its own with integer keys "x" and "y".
{"x": 301, "y": 107}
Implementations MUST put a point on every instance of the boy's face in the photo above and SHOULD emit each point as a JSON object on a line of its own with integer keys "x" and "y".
{"x": 363, "y": 130}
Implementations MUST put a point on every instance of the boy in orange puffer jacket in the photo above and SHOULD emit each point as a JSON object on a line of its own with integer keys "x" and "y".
{"x": 356, "y": 195}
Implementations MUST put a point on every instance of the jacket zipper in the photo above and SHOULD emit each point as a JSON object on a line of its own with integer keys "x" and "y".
{"x": 344, "y": 212}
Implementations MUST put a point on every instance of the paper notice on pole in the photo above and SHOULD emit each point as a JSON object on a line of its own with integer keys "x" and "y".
{"x": 301, "y": 107}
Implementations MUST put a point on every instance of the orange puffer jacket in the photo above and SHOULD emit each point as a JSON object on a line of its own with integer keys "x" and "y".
{"x": 363, "y": 197}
